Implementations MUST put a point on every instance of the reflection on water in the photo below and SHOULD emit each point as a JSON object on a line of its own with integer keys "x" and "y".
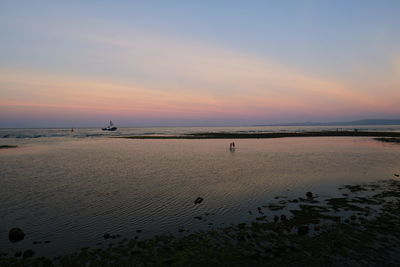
{"x": 72, "y": 192}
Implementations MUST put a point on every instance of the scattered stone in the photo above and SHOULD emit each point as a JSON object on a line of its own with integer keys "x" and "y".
{"x": 141, "y": 244}
{"x": 303, "y": 230}
{"x": 47, "y": 241}
{"x": 28, "y": 253}
{"x": 353, "y": 217}
{"x": 16, "y": 234}
{"x": 106, "y": 236}
{"x": 283, "y": 217}
{"x": 198, "y": 200}
{"x": 309, "y": 194}
{"x": 397, "y": 175}
{"x": 181, "y": 230}
{"x": 275, "y": 207}
{"x": 138, "y": 231}
{"x": 18, "y": 254}
{"x": 241, "y": 225}
{"x": 355, "y": 188}
{"x": 135, "y": 252}
{"x": 276, "y": 218}
{"x": 198, "y": 217}
{"x": 240, "y": 238}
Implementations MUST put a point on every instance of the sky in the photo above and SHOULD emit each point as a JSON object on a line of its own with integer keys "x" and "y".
{"x": 197, "y": 63}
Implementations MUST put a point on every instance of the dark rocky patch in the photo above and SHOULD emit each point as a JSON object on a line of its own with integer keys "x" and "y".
{"x": 16, "y": 234}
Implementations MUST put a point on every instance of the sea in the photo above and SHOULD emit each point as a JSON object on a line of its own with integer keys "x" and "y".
{"x": 65, "y": 189}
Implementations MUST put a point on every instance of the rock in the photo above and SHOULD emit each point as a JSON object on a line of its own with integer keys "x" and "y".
{"x": 135, "y": 252}
{"x": 276, "y": 218}
{"x": 16, "y": 234}
{"x": 242, "y": 225}
{"x": 106, "y": 236}
{"x": 18, "y": 254}
{"x": 283, "y": 217}
{"x": 309, "y": 194}
{"x": 47, "y": 241}
{"x": 397, "y": 175}
{"x": 198, "y": 200}
{"x": 138, "y": 231}
{"x": 198, "y": 217}
{"x": 303, "y": 230}
{"x": 141, "y": 244}
{"x": 353, "y": 217}
{"x": 181, "y": 230}
{"x": 28, "y": 253}
{"x": 240, "y": 238}
{"x": 337, "y": 244}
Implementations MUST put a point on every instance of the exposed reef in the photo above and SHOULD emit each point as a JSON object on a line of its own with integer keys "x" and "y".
{"x": 388, "y": 140}
{"x": 7, "y": 146}
{"x": 226, "y": 135}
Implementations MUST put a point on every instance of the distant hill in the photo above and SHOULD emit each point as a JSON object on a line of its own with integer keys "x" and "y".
{"x": 341, "y": 123}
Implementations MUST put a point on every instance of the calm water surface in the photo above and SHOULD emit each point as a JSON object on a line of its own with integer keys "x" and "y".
{"x": 72, "y": 191}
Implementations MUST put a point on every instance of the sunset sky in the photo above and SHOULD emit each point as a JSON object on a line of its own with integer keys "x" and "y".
{"x": 161, "y": 63}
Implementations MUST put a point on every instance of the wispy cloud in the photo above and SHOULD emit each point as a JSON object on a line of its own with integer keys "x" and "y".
{"x": 159, "y": 75}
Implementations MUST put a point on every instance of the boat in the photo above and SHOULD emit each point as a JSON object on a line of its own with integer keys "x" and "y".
{"x": 110, "y": 127}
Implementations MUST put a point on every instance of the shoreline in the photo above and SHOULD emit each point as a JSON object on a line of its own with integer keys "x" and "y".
{"x": 266, "y": 135}
{"x": 360, "y": 225}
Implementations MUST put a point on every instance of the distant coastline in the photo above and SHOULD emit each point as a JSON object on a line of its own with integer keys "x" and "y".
{"x": 341, "y": 123}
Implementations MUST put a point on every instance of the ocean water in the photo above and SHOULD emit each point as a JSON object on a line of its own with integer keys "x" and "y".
{"x": 72, "y": 187}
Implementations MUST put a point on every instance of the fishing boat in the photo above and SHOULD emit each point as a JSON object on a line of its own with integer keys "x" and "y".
{"x": 110, "y": 127}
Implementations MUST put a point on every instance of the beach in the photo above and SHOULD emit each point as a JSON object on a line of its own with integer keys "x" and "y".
{"x": 82, "y": 188}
